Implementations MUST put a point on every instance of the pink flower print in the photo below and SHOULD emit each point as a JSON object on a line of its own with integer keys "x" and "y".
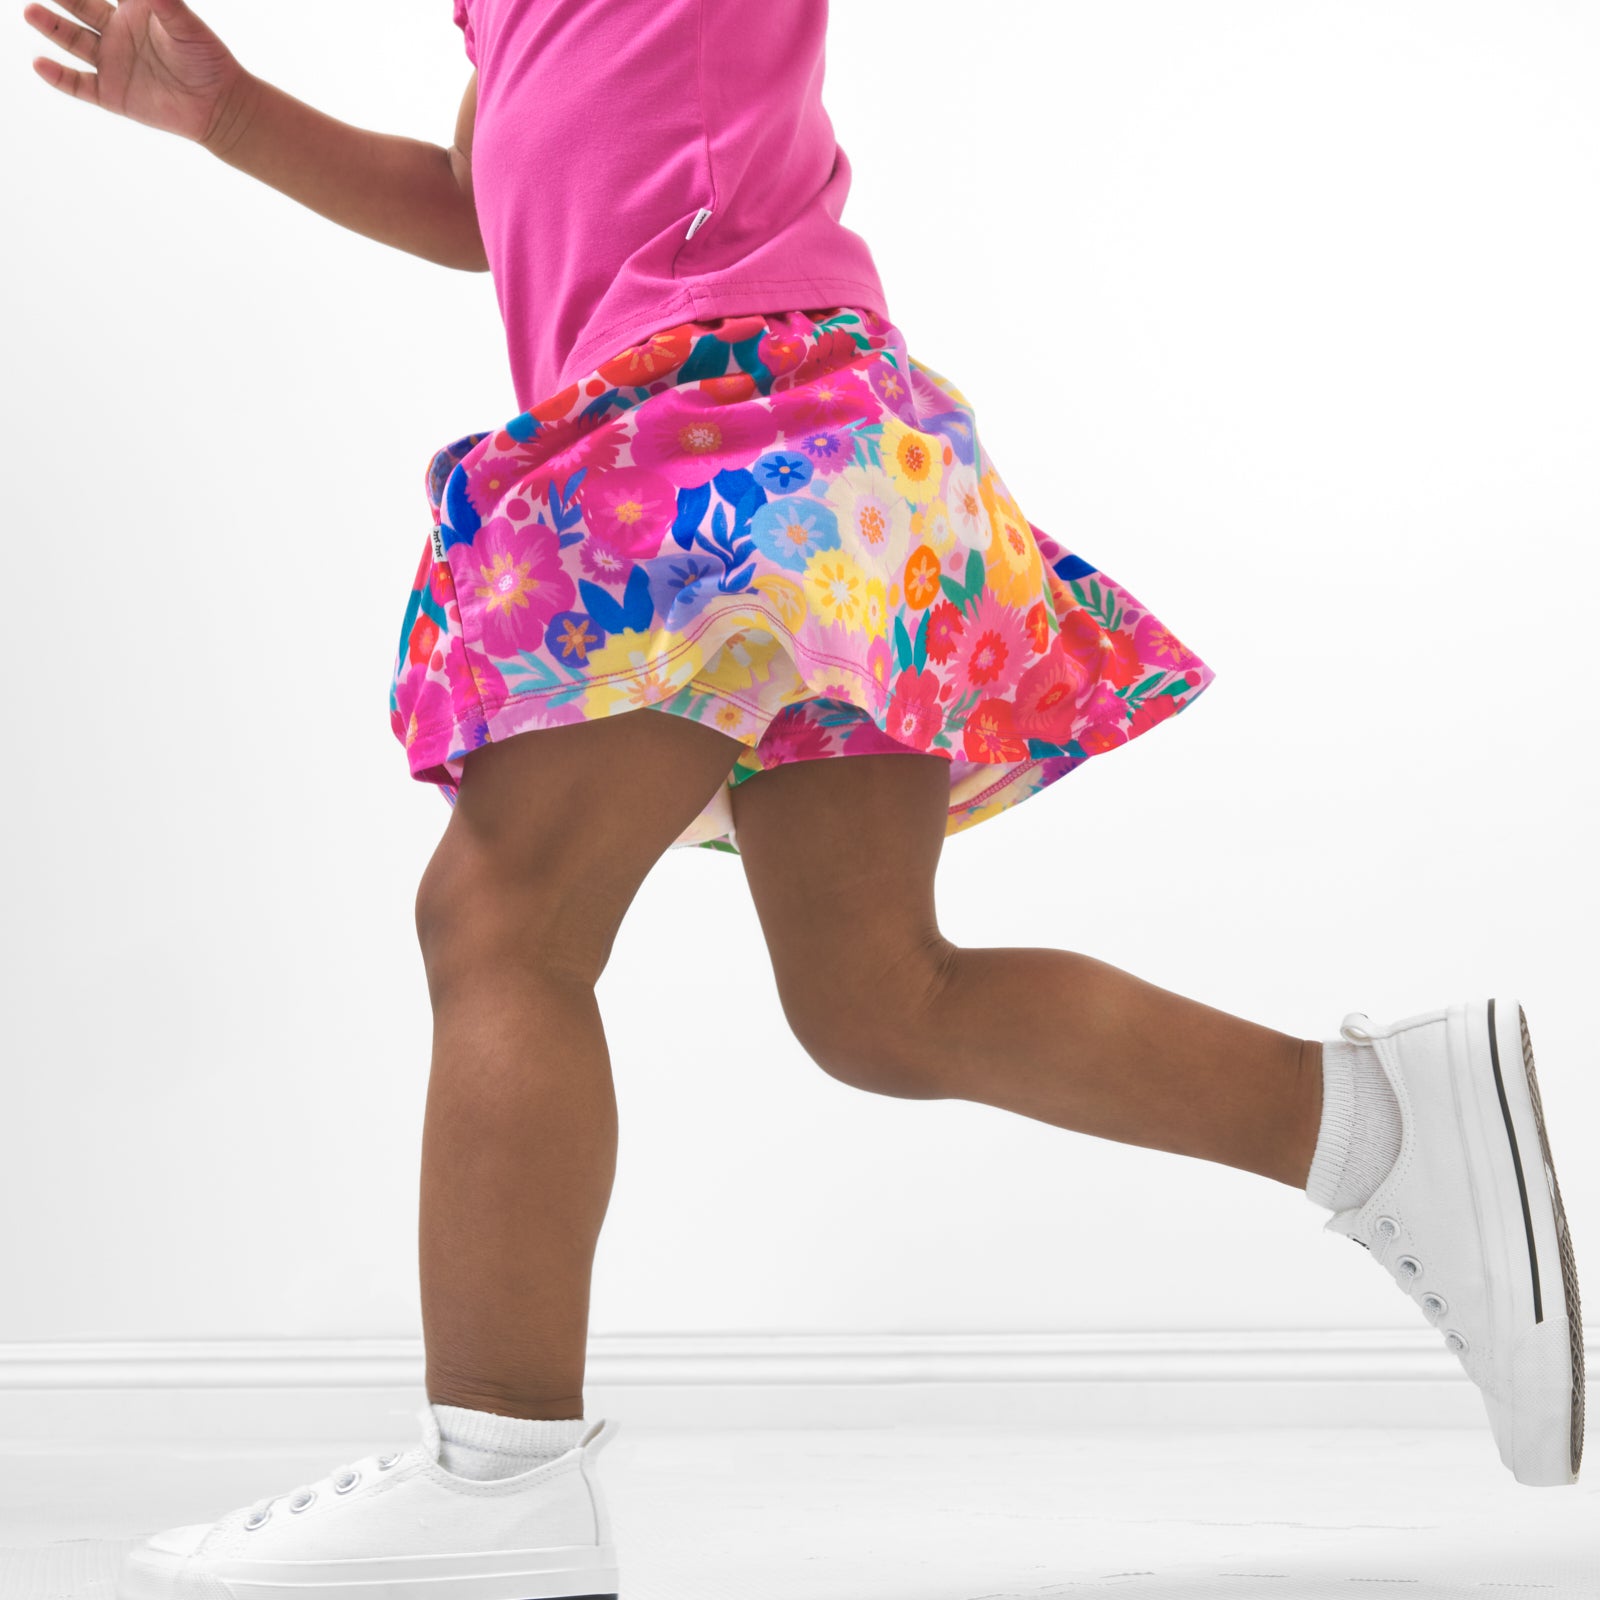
{"x": 913, "y": 714}
{"x": 602, "y": 561}
{"x": 1159, "y": 647}
{"x": 880, "y": 663}
{"x": 689, "y": 437}
{"x": 562, "y": 447}
{"x": 489, "y": 479}
{"x": 421, "y": 718}
{"x": 993, "y": 646}
{"x": 473, "y": 683}
{"x": 1101, "y": 736}
{"x": 1103, "y": 704}
{"x": 517, "y": 582}
{"x": 825, "y": 402}
{"x": 630, "y": 508}
{"x": 891, "y": 387}
{"x": 792, "y": 736}
{"x": 1048, "y": 695}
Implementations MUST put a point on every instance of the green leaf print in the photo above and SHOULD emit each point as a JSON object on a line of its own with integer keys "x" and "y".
{"x": 1097, "y": 603}
{"x": 919, "y": 650}
{"x": 953, "y": 592}
{"x": 902, "y": 644}
{"x": 974, "y": 572}
{"x": 1177, "y": 686}
{"x": 1149, "y": 683}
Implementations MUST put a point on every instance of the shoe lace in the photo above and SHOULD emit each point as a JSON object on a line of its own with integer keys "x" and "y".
{"x": 341, "y": 1480}
{"x": 1407, "y": 1269}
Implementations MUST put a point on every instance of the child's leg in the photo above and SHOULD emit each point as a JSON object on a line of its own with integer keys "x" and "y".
{"x": 840, "y": 855}
{"x": 552, "y": 832}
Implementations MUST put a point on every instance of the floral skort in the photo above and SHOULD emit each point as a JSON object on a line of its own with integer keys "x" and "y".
{"x": 785, "y": 527}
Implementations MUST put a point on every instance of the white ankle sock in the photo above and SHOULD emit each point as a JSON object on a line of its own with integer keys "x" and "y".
{"x": 483, "y": 1444}
{"x": 1359, "y": 1139}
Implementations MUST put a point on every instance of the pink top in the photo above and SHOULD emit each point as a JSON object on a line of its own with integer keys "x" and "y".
{"x": 638, "y": 163}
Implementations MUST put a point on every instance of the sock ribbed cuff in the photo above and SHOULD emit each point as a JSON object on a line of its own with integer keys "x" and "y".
{"x": 511, "y": 1436}
{"x": 1360, "y": 1135}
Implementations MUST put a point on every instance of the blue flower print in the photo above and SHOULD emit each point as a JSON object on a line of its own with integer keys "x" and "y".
{"x": 782, "y": 471}
{"x": 792, "y": 530}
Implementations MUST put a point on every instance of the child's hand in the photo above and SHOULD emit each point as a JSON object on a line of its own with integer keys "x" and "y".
{"x": 157, "y": 62}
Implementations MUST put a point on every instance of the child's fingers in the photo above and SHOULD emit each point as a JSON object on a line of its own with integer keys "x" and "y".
{"x": 80, "y": 42}
{"x": 96, "y": 13}
{"x": 80, "y": 85}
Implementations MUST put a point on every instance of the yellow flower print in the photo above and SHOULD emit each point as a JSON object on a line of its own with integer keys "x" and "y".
{"x": 914, "y": 461}
{"x": 836, "y": 586}
{"x": 787, "y": 597}
{"x": 644, "y": 671}
{"x": 877, "y": 608}
{"x": 744, "y": 660}
{"x": 1014, "y": 570}
{"x": 874, "y": 519}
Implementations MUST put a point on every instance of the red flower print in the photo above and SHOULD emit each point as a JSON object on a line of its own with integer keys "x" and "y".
{"x": 1084, "y": 640}
{"x": 558, "y": 405}
{"x": 730, "y": 388}
{"x": 562, "y": 447}
{"x": 913, "y": 715}
{"x": 1122, "y": 663}
{"x": 516, "y": 582}
{"x": 1038, "y": 627}
{"x": 781, "y": 352}
{"x": 989, "y": 734}
{"x": 945, "y": 627}
{"x": 424, "y": 636}
{"x": 835, "y": 348}
{"x": 658, "y": 355}
{"x": 1048, "y": 696}
{"x": 1156, "y": 708}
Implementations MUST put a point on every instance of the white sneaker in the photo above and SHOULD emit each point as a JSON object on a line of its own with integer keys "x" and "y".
{"x": 1469, "y": 1223}
{"x": 399, "y": 1527}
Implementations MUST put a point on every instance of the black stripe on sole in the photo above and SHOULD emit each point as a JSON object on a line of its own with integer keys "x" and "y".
{"x": 1516, "y": 1159}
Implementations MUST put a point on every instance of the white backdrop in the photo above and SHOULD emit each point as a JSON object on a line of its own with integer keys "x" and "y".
{"x": 1281, "y": 313}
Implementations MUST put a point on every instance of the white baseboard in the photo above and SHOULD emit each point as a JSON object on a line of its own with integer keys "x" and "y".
{"x": 288, "y": 1391}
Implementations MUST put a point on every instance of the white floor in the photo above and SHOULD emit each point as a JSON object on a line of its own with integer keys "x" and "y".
{"x": 938, "y": 1514}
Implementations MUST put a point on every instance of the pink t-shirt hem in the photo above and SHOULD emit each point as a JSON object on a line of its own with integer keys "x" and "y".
{"x": 732, "y": 297}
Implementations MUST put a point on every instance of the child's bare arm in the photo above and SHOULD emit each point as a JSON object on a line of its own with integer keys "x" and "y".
{"x": 157, "y": 63}
{"x": 400, "y": 191}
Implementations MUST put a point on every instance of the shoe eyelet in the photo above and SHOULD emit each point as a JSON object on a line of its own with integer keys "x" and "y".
{"x": 259, "y": 1520}
{"x": 1388, "y": 1227}
{"x": 300, "y": 1502}
{"x": 1455, "y": 1341}
{"x": 345, "y": 1484}
{"x": 385, "y": 1462}
{"x": 1410, "y": 1266}
{"x": 1435, "y": 1303}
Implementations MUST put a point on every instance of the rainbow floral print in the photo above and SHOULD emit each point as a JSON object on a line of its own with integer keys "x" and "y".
{"x": 785, "y": 527}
